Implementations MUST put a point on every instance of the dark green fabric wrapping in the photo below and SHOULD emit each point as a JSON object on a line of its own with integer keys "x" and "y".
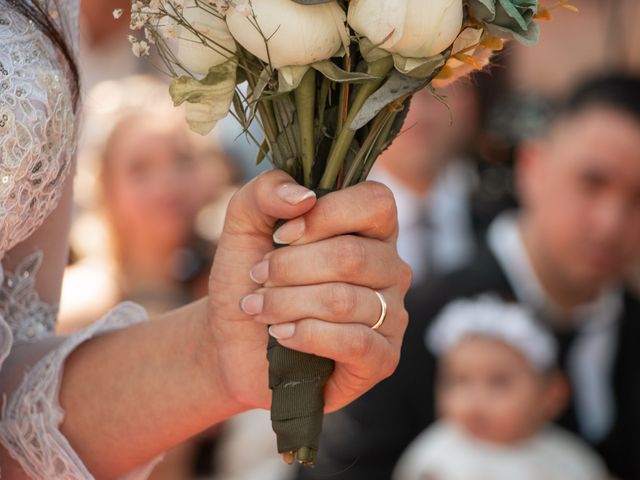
{"x": 297, "y": 381}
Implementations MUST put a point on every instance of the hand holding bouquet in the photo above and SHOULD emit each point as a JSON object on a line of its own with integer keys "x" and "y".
{"x": 329, "y": 82}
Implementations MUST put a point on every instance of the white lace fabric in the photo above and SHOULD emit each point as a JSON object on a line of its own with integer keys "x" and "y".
{"x": 38, "y": 134}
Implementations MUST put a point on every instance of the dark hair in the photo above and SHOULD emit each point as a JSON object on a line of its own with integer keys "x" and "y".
{"x": 34, "y": 11}
{"x": 618, "y": 91}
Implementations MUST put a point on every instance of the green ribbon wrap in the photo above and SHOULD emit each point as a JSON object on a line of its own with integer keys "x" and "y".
{"x": 297, "y": 410}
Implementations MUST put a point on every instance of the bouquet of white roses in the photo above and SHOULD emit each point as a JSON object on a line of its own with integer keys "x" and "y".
{"x": 329, "y": 82}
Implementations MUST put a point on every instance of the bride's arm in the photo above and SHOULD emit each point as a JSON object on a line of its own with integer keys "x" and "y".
{"x": 130, "y": 394}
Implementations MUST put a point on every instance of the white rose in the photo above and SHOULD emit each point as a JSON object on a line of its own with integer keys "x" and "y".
{"x": 220, "y": 46}
{"x": 296, "y": 34}
{"x": 409, "y": 28}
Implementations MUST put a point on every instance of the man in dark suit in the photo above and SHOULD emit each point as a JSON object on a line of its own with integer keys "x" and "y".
{"x": 563, "y": 254}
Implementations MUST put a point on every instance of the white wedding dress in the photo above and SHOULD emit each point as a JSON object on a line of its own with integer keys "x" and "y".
{"x": 38, "y": 129}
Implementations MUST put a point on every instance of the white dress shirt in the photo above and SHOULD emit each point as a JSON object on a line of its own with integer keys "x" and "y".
{"x": 436, "y": 232}
{"x": 591, "y": 357}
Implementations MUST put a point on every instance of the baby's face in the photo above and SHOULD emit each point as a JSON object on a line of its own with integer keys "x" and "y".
{"x": 490, "y": 390}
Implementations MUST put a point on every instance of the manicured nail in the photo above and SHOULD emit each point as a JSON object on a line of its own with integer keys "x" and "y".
{"x": 290, "y": 231}
{"x": 282, "y": 331}
{"x": 252, "y": 304}
{"x": 293, "y": 194}
{"x": 260, "y": 273}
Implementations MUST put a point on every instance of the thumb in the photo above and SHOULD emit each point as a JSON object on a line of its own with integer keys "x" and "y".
{"x": 269, "y": 197}
{"x": 247, "y": 236}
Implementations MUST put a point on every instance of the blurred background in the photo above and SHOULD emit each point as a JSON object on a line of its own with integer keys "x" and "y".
{"x": 151, "y": 195}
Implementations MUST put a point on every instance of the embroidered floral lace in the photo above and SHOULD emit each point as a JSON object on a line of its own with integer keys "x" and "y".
{"x": 37, "y": 141}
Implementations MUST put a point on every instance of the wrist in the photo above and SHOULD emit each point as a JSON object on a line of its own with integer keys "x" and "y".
{"x": 209, "y": 366}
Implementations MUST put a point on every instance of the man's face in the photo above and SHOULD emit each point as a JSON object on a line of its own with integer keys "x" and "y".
{"x": 582, "y": 192}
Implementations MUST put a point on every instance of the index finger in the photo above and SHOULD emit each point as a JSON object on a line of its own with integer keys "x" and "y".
{"x": 367, "y": 209}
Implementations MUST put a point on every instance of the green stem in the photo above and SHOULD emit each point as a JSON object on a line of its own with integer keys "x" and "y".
{"x": 343, "y": 98}
{"x": 340, "y": 148}
{"x": 381, "y": 143}
{"x": 305, "y": 96}
{"x": 377, "y": 126}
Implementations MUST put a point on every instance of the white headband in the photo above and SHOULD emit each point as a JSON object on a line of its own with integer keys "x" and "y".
{"x": 489, "y": 316}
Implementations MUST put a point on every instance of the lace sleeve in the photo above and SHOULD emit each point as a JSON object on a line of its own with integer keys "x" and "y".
{"x": 31, "y": 376}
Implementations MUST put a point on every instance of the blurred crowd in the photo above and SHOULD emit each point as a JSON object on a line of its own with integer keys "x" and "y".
{"x": 519, "y": 213}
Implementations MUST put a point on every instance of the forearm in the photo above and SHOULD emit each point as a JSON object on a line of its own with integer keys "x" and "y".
{"x": 132, "y": 394}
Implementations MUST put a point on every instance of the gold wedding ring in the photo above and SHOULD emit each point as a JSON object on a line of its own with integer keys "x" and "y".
{"x": 383, "y": 311}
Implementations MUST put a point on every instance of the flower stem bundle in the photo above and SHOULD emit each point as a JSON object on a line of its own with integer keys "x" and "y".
{"x": 329, "y": 82}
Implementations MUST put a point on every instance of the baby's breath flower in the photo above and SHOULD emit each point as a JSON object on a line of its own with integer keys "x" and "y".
{"x": 117, "y": 13}
{"x": 149, "y": 35}
{"x": 140, "y": 48}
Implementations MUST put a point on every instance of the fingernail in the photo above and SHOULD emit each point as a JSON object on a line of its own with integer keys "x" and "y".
{"x": 252, "y": 304}
{"x": 282, "y": 331}
{"x": 293, "y": 194}
{"x": 290, "y": 231}
{"x": 260, "y": 273}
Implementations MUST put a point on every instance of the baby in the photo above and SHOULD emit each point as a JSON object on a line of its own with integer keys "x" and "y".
{"x": 497, "y": 389}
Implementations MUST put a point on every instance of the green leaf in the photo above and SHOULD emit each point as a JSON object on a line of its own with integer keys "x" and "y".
{"x": 258, "y": 90}
{"x": 336, "y": 74}
{"x": 530, "y": 37}
{"x": 482, "y": 9}
{"x": 208, "y": 100}
{"x": 262, "y": 152}
{"x": 509, "y": 19}
{"x": 238, "y": 108}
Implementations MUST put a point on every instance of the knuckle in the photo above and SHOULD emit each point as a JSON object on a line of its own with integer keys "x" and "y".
{"x": 403, "y": 320}
{"x": 278, "y": 268}
{"x": 406, "y": 276}
{"x": 341, "y": 301}
{"x": 306, "y": 334}
{"x": 361, "y": 344}
{"x": 350, "y": 257}
{"x": 383, "y": 202}
{"x": 390, "y": 364}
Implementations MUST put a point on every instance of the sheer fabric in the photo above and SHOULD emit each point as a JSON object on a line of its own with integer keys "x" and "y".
{"x": 38, "y": 134}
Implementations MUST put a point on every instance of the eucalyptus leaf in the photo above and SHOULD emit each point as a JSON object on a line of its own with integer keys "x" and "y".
{"x": 208, "y": 100}
{"x": 397, "y": 86}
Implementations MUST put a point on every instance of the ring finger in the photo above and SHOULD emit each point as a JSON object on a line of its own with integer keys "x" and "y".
{"x": 331, "y": 302}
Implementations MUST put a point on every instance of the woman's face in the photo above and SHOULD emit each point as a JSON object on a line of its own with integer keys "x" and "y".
{"x": 150, "y": 174}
